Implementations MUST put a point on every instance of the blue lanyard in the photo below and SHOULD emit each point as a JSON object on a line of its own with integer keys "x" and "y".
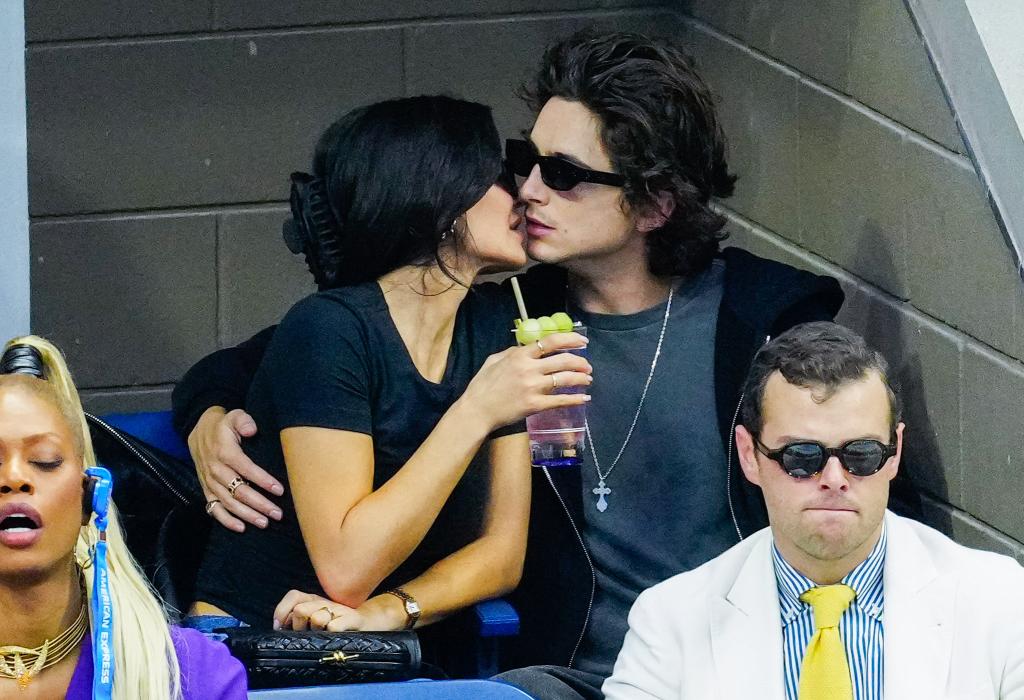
{"x": 102, "y": 606}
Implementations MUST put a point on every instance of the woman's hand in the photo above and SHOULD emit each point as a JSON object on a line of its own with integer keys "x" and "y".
{"x": 521, "y": 381}
{"x": 302, "y": 611}
{"x": 215, "y": 445}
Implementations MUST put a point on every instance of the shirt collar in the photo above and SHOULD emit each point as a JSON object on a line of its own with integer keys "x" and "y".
{"x": 866, "y": 579}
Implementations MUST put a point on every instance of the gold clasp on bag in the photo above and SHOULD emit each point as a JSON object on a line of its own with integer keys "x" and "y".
{"x": 338, "y": 657}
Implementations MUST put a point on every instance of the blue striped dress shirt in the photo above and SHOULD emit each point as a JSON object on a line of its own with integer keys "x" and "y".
{"x": 860, "y": 626}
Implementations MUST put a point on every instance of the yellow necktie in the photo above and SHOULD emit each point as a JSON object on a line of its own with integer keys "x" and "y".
{"x": 825, "y": 673}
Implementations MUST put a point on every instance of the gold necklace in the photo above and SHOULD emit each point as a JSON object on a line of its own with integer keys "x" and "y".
{"x": 23, "y": 664}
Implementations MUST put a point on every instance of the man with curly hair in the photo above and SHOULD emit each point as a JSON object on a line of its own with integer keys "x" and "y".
{"x": 617, "y": 176}
{"x": 673, "y": 324}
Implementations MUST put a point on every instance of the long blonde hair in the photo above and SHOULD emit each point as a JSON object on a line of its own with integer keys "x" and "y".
{"x": 146, "y": 665}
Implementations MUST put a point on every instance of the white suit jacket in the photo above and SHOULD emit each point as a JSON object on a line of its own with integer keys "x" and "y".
{"x": 953, "y": 625}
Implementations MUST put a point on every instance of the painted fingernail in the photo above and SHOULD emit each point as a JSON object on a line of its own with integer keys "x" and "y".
{"x": 277, "y": 625}
{"x": 586, "y": 397}
{"x": 261, "y": 522}
{"x": 276, "y": 514}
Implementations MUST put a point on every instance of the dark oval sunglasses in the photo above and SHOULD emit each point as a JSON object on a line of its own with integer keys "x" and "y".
{"x": 557, "y": 173}
{"x": 806, "y": 458}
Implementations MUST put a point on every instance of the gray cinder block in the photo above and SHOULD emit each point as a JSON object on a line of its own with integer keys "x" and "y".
{"x": 248, "y": 14}
{"x": 867, "y": 49}
{"x": 850, "y": 199}
{"x": 758, "y": 112}
{"x": 131, "y": 400}
{"x": 993, "y": 441}
{"x": 970, "y": 531}
{"x": 192, "y": 121}
{"x": 258, "y": 277}
{"x": 59, "y": 20}
{"x": 959, "y": 269}
{"x": 889, "y": 70}
{"x": 129, "y": 300}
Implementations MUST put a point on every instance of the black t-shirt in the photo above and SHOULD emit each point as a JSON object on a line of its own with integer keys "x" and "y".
{"x": 337, "y": 361}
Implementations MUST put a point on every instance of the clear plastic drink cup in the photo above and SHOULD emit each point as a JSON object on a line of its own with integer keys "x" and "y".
{"x": 557, "y": 435}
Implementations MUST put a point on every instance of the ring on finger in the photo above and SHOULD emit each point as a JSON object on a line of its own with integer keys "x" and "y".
{"x": 540, "y": 347}
{"x": 330, "y": 612}
{"x": 235, "y": 483}
{"x": 210, "y": 504}
{"x": 554, "y": 381}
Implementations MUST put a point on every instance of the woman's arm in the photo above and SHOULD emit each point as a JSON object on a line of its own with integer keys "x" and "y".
{"x": 488, "y": 567}
{"x": 356, "y": 536}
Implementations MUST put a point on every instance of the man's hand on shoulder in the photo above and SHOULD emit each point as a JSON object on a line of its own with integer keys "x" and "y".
{"x": 230, "y": 480}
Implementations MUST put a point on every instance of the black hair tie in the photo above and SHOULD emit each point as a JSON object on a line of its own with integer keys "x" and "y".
{"x": 22, "y": 359}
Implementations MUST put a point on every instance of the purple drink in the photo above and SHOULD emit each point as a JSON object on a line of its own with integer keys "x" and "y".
{"x": 557, "y": 435}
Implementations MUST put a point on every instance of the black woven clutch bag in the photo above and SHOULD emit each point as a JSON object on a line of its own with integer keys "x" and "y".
{"x": 280, "y": 659}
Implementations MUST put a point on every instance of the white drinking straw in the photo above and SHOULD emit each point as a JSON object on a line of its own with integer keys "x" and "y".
{"x": 519, "y": 299}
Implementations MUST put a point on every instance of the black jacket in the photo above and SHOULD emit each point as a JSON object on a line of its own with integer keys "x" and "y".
{"x": 762, "y": 298}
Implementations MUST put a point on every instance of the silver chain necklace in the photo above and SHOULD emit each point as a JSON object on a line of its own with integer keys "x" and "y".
{"x": 601, "y": 491}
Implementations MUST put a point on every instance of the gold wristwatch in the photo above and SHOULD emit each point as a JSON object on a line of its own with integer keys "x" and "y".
{"x": 412, "y": 608}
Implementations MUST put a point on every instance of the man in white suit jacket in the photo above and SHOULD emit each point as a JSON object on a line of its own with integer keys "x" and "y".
{"x": 953, "y": 618}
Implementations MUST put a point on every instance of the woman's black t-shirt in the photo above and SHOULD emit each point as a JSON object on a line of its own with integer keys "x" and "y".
{"x": 337, "y": 361}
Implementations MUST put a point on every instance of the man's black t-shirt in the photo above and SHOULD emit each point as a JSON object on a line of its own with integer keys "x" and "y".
{"x": 337, "y": 361}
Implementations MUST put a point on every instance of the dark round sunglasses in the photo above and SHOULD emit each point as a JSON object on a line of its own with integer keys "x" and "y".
{"x": 557, "y": 173}
{"x": 806, "y": 458}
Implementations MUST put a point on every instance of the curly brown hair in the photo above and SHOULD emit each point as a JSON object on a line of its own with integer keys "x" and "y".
{"x": 659, "y": 127}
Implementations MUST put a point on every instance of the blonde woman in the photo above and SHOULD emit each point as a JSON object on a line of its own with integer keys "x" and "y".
{"x": 48, "y": 562}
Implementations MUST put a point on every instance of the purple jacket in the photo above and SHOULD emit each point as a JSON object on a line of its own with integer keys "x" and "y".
{"x": 208, "y": 671}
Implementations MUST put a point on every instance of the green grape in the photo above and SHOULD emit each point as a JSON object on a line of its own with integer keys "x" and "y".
{"x": 529, "y": 331}
{"x": 562, "y": 321}
{"x": 547, "y": 325}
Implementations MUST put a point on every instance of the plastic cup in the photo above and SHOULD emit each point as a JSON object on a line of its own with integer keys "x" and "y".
{"x": 557, "y": 435}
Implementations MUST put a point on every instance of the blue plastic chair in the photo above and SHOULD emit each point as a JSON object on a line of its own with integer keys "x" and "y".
{"x": 410, "y": 690}
{"x": 154, "y": 428}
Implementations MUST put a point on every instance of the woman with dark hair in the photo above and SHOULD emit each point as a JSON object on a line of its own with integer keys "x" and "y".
{"x": 390, "y": 406}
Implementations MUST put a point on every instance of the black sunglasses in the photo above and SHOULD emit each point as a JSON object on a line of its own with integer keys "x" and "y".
{"x": 805, "y": 459}
{"x": 557, "y": 173}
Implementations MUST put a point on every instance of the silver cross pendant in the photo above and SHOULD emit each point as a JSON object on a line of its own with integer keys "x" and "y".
{"x": 601, "y": 491}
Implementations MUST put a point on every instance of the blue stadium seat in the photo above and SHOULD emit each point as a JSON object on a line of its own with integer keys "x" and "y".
{"x": 410, "y": 690}
{"x": 154, "y": 428}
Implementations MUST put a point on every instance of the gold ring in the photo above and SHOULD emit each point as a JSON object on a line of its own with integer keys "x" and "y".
{"x": 554, "y": 382}
{"x": 329, "y": 612}
{"x": 540, "y": 347}
{"x": 235, "y": 483}
{"x": 210, "y": 504}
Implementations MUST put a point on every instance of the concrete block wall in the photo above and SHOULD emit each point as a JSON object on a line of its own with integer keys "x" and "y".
{"x": 161, "y": 136}
{"x": 851, "y": 164}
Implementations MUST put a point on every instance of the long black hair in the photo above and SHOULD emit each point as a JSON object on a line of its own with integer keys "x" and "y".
{"x": 397, "y": 176}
